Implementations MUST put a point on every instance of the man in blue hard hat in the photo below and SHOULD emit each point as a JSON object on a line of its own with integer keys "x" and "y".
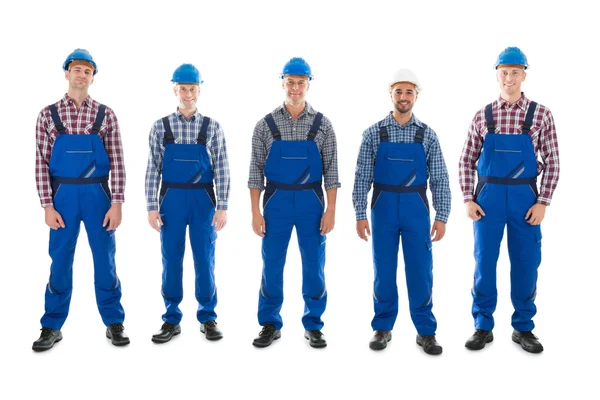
{"x": 294, "y": 148}
{"x": 78, "y": 148}
{"x": 398, "y": 156}
{"x": 187, "y": 158}
{"x": 509, "y": 143}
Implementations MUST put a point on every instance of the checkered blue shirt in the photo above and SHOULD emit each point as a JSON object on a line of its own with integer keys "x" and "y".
{"x": 436, "y": 167}
{"x": 291, "y": 129}
{"x": 186, "y": 132}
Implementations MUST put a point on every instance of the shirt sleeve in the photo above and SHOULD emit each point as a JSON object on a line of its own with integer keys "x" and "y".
{"x": 114, "y": 149}
{"x": 154, "y": 168}
{"x": 439, "y": 182}
{"x": 549, "y": 163}
{"x": 467, "y": 165}
{"x": 363, "y": 176}
{"x": 220, "y": 162}
{"x": 43, "y": 152}
{"x": 329, "y": 157}
{"x": 258, "y": 158}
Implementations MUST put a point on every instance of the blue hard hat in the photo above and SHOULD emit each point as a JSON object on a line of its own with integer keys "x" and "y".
{"x": 187, "y": 73}
{"x": 512, "y": 55}
{"x": 297, "y": 66}
{"x": 80, "y": 54}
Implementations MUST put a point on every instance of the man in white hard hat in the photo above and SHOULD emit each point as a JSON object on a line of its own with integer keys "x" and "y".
{"x": 509, "y": 143}
{"x": 398, "y": 155}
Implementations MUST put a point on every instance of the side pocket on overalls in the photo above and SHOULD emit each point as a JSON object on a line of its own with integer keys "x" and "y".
{"x": 106, "y": 190}
{"x": 267, "y": 196}
{"x": 161, "y": 196}
{"x": 423, "y": 196}
{"x": 210, "y": 192}
{"x": 319, "y": 194}
{"x": 376, "y": 193}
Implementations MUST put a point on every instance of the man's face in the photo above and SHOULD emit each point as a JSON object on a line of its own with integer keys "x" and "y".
{"x": 187, "y": 94}
{"x": 80, "y": 77}
{"x": 295, "y": 87}
{"x": 510, "y": 79}
{"x": 403, "y": 95}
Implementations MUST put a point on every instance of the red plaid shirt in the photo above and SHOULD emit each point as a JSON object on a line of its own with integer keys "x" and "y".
{"x": 78, "y": 121}
{"x": 509, "y": 119}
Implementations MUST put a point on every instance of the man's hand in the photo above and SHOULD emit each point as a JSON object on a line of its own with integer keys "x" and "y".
{"x": 154, "y": 220}
{"x": 474, "y": 211}
{"x": 219, "y": 220}
{"x": 438, "y": 230}
{"x": 535, "y": 215}
{"x": 327, "y": 222}
{"x": 362, "y": 228}
{"x": 258, "y": 224}
{"x": 53, "y": 218}
{"x": 113, "y": 217}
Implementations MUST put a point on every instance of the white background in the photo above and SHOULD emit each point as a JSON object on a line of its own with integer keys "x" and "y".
{"x": 352, "y": 47}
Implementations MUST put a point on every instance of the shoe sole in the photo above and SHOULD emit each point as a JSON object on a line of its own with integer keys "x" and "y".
{"x": 489, "y": 339}
{"x": 533, "y": 351}
{"x": 38, "y": 349}
{"x": 159, "y": 341}
{"x": 375, "y": 346}
{"x": 315, "y": 346}
{"x": 267, "y": 344}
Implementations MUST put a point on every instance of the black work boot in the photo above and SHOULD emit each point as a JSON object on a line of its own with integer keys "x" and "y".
{"x": 380, "y": 340}
{"x": 429, "y": 344}
{"x": 528, "y": 341}
{"x": 166, "y": 332}
{"x": 479, "y": 339}
{"x": 266, "y": 336}
{"x": 47, "y": 339}
{"x": 316, "y": 339}
{"x": 116, "y": 334}
{"x": 211, "y": 330}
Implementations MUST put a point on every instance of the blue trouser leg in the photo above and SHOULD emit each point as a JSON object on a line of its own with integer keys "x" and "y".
{"x": 386, "y": 239}
{"x": 60, "y": 285}
{"x": 202, "y": 240}
{"x": 279, "y": 225}
{"x": 488, "y": 237}
{"x": 94, "y": 206}
{"x": 524, "y": 249}
{"x": 172, "y": 237}
{"x": 418, "y": 265}
{"x": 312, "y": 250}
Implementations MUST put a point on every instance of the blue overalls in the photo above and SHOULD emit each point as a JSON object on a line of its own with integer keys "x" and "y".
{"x": 506, "y": 189}
{"x": 186, "y": 199}
{"x": 293, "y": 197}
{"x": 79, "y": 168}
{"x": 399, "y": 208}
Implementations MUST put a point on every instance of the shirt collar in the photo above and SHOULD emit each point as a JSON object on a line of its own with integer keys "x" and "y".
{"x": 194, "y": 117}
{"x": 87, "y": 102}
{"x": 522, "y": 103}
{"x": 307, "y": 110}
{"x": 389, "y": 120}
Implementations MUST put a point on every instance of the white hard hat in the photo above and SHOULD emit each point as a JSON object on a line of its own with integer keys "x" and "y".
{"x": 404, "y": 75}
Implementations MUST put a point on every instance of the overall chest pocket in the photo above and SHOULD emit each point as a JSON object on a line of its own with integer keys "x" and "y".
{"x": 294, "y": 153}
{"x": 400, "y": 156}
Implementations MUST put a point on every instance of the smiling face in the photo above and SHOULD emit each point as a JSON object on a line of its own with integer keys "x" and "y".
{"x": 403, "y": 96}
{"x": 188, "y": 95}
{"x": 510, "y": 78}
{"x": 80, "y": 76}
{"x": 295, "y": 88}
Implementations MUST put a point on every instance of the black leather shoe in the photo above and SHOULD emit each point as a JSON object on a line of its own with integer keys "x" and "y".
{"x": 380, "y": 340}
{"x": 266, "y": 336}
{"x": 167, "y": 331}
{"x": 429, "y": 344}
{"x": 479, "y": 339}
{"x": 528, "y": 341}
{"x": 47, "y": 339}
{"x": 116, "y": 334}
{"x": 211, "y": 330}
{"x": 316, "y": 339}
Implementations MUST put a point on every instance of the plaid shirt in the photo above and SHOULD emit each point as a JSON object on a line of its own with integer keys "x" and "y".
{"x": 186, "y": 132}
{"x": 509, "y": 120}
{"x": 291, "y": 129}
{"x": 78, "y": 122}
{"x": 437, "y": 174}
